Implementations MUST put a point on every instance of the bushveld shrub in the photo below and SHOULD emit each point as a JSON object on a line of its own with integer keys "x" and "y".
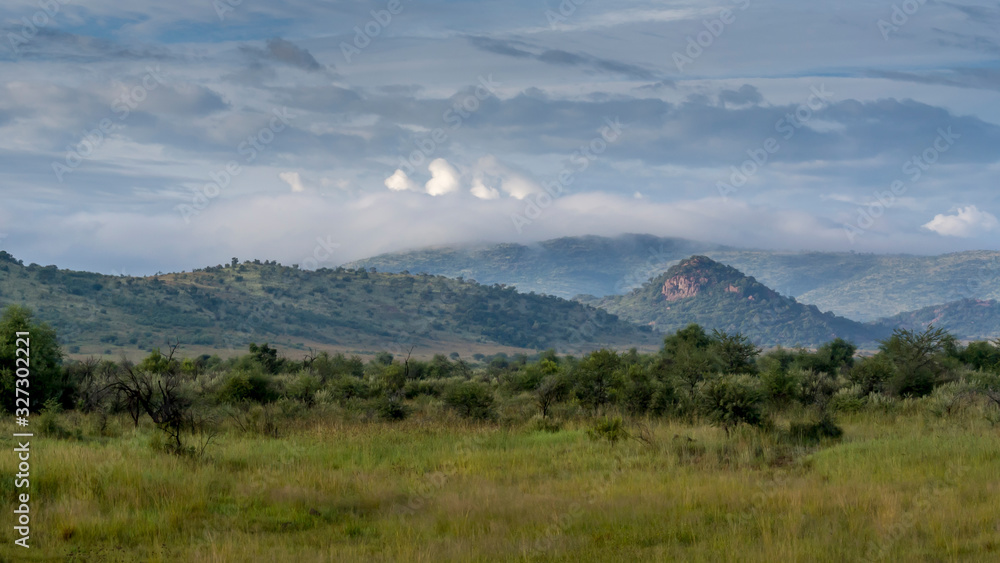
{"x": 248, "y": 386}
{"x": 610, "y": 429}
{"x": 637, "y": 396}
{"x": 470, "y": 400}
{"x": 391, "y": 409}
{"x": 551, "y": 390}
{"x": 303, "y": 388}
{"x": 731, "y": 400}
{"x": 780, "y": 385}
{"x": 847, "y": 399}
{"x": 872, "y": 373}
{"x": 814, "y": 432}
{"x": 545, "y": 424}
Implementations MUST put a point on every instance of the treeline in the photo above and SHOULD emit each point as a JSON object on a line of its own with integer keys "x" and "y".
{"x": 719, "y": 377}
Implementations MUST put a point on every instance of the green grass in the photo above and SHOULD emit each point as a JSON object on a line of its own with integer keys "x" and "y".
{"x": 900, "y": 487}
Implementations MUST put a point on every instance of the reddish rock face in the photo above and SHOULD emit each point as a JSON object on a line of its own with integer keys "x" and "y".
{"x": 682, "y": 287}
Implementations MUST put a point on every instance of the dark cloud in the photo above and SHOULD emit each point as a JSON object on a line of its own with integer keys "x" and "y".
{"x": 285, "y": 52}
{"x": 977, "y": 78}
{"x": 746, "y": 95}
{"x": 559, "y": 57}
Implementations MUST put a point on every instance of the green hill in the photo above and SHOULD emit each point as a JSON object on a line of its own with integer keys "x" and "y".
{"x": 863, "y": 287}
{"x": 225, "y": 307}
{"x": 967, "y": 319}
{"x": 564, "y": 267}
{"x": 703, "y": 291}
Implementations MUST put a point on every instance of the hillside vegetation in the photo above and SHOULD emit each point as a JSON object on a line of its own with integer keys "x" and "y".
{"x": 862, "y": 287}
{"x": 703, "y": 291}
{"x": 225, "y": 307}
{"x": 705, "y": 450}
{"x": 968, "y": 319}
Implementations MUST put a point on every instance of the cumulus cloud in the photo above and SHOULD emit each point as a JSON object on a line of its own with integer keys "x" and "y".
{"x": 966, "y": 222}
{"x": 482, "y": 191}
{"x": 400, "y": 182}
{"x": 444, "y": 178}
{"x": 294, "y": 180}
{"x": 490, "y": 172}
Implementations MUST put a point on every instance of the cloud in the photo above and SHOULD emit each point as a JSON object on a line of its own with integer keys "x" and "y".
{"x": 400, "y": 182}
{"x": 444, "y": 178}
{"x": 967, "y": 222}
{"x": 482, "y": 191}
{"x": 523, "y": 50}
{"x": 490, "y": 174}
{"x": 294, "y": 180}
{"x": 285, "y": 52}
{"x": 746, "y": 95}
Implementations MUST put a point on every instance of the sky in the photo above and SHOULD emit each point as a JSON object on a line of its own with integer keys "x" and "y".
{"x": 168, "y": 136}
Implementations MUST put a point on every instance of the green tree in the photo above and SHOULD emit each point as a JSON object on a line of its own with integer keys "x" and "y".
{"x": 266, "y": 356}
{"x": 597, "y": 379}
{"x": 729, "y": 400}
{"x": 47, "y": 380}
{"x": 735, "y": 351}
{"x": 920, "y": 358}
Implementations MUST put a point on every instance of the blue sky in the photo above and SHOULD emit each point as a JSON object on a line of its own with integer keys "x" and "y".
{"x": 169, "y": 136}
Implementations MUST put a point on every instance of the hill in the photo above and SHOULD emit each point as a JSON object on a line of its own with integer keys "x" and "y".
{"x": 564, "y": 267}
{"x": 967, "y": 319}
{"x": 703, "y": 291}
{"x": 225, "y": 307}
{"x": 863, "y": 287}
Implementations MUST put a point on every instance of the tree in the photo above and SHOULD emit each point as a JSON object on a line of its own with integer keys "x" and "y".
{"x": 47, "y": 380}
{"x": 266, "y": 356}
{"x": 735, "y": 351}
{"x": 597, "y": 379}
{"x": 161, "y": 396}
{"x": 552, "y": 389}
{"x": 730, "y": 400}
{"x": 470, "y": 400}
{"x": 920, "y": 360}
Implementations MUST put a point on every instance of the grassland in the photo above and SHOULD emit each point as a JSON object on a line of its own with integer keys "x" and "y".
{"x": 901, "y": 485}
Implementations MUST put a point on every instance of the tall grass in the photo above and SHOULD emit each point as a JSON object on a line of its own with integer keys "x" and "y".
{"x": 899, "y": 486}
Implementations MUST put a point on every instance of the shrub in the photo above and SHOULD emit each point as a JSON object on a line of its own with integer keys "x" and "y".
{"x": 391, "y": 409}
{"x": 872, "y": 373}
{"x": 303, "y": 388}
{"x": 780, "y": 385}
{"x": 610, "y": 429}
{"x": 243, "y": 386}
{"x": 815, "y": 432}
{"x": 730, "y": 400}
{"x": 470, "y": 400}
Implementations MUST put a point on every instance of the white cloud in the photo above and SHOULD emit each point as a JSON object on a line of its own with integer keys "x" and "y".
{"x": 482, "y": 191}
{"x": 490, "y": 171}
{"x": 444, "y": 178}
{"x": 967, "y": 222}
{"x": 294, "y": 180}
{"x": 400, "y": 182}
